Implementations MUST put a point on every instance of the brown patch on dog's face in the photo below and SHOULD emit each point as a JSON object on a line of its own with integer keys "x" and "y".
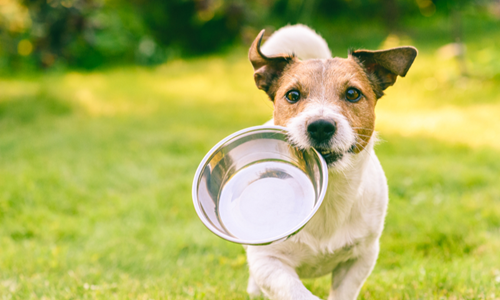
{"x": 326, "y": 82}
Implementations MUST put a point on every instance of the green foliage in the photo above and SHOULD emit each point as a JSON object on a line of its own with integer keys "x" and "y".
{"x": 87, "y": 34}
{"x": 195, "y": 27}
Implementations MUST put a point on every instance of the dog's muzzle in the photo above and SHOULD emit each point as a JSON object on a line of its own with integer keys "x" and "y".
{"x": 320, "y": 134}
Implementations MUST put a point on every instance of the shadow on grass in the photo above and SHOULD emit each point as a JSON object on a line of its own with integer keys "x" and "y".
{"x": 26, "y": 109}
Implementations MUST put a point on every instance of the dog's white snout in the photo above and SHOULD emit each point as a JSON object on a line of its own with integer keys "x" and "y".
{"x": 321, "y": 126}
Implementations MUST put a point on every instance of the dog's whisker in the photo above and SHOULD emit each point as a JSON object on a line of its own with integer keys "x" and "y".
{"x": 370, "y": 153}
{"x": 363, "y": 135}
{"x": 363, "y": 128}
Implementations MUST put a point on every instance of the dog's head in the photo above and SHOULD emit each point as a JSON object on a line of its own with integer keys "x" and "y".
{"x": 329, "y": 104}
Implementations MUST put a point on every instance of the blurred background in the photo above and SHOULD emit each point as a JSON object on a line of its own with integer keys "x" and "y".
{"x": 87, "y": 34}
{"x": 108, "y": 106}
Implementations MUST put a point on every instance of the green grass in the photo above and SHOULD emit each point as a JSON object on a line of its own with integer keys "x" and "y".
{"x": 96, "y": 170}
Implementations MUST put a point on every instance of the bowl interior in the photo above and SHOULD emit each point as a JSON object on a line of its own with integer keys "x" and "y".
{"x": 255, "y": 188}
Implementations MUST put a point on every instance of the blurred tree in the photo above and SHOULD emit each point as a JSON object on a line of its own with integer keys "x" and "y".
{"x": 90, "y": 33}
{"x": 193, "y": 27}
{"x": 83, "y": 33}
{"x": 454, "y": 9}
{"x": 14, "y": 22}
{"x": 391, "y": 14}
{"x": 56, "y": 25}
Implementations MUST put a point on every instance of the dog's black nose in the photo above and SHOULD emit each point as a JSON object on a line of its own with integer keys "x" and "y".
{"x": 321, "y": 130}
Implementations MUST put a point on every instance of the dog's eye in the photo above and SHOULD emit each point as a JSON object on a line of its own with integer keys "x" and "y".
{"x": 292, "y": 96}
{"x": 352, "y": 95}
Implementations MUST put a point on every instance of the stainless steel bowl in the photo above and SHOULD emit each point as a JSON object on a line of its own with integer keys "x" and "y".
{"x": 255, "y": 188}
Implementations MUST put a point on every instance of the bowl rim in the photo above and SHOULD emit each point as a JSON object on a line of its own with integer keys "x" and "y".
{"x": 204, "y": 219}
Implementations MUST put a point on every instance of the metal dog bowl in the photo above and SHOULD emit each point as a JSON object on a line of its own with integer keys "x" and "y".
{"x": 255, "y": 188}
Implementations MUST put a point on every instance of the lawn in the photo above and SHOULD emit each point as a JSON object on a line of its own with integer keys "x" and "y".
{"x": 96, "y": 170}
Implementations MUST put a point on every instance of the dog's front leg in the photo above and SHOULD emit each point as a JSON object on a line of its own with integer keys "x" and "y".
{"x": 348, "y": 277}
{"x": 277, "y": 280}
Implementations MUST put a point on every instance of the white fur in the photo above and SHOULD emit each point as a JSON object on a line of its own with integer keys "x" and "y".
{"x": 342, "y": 237}
{"x": 299, "y": 40}
{"x": 344, "y": 135}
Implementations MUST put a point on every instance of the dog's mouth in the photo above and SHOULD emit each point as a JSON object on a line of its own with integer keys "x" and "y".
{"x": 329, "y": 155}
{"x": 332, "y": 156}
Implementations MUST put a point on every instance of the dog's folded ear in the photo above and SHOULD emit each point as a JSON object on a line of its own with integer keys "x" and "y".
{"x": 267, "y": 69}
{"x": 384, "y": 66}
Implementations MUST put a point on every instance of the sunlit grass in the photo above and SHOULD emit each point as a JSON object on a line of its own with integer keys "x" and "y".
{"x": 96, "y": 170}
{"x": 435, "y": 101}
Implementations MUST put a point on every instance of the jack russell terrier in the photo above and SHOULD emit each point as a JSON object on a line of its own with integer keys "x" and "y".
{"x": 329, "y": 104}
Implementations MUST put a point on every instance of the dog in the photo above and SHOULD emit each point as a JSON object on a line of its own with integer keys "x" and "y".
{"x": 327, "y": 103}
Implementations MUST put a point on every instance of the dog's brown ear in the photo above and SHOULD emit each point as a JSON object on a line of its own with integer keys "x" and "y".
{"x": 267, "y": 69}
{"x": 384, "y": 66}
